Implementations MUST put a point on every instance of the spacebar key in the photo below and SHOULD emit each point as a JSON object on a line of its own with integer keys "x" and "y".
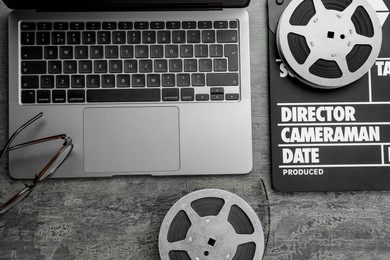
{"x": 123, "y": 95}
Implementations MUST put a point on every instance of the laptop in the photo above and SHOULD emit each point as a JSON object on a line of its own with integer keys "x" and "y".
{"x": 143, "y": 87}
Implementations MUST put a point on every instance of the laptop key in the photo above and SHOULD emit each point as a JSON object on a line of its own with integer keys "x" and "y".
{"x": 127, "y": 51}
{"x": 108, "y": 81}
{"x": 85, "y": 66}
{"x": 66, "y": 52}
{"x": 119, "y": 37}
{"x": 112, "y": 52}
{"x": 231, "y": 51}
{"x": 61, "y": 26}
{"x": 27, "y": 38}
{"x": 202, "y": 97}
{"x": 104, "y": 37}
{"x": 123, "y": 81}
{"x": 32, "y": 53}
{"x": 205, "y": 65}
{"x": 58, "y": 38}
{"x": 160, "y": 66}
{"x": 89, "y": 37}
{"x": 93, "y": 26}
{"x": 205, "y": 25}
{"x": 208, "y": 36}
{"x": 47, "y": 81}
{"x": 216, "y": 50}
{"x": 148, "y": 37}
{"x": 62, "y": 81}
{"x": 171, "y": 51}
{"x": 145, "y": 66}
{"x": 170, "y": 94}
{"x": 178, "y": 36}
{"x": 51, "y": 52}
{"x": 30, "y": 82}
{"x": 153, "y": 80}
{"x": 28, "y": 96}
{"x": 157, "y": 25}
{"x": 156, "y": 51}
{"x": 109, "y": 25}
{"x": 232, "y": 96}
{"x": 186, "y": 51}
{"x": 70, "y": 67}
{"x": 93, "y": 81}
{"x": 201, "y": 50}
{"x": 220, "y": 24}
{"x": 198, "y": 79}
{"x": 141, "y": 51}
{"x": 168, "y": 80}
{"x": 125, "y": 25}
{"x": 43, "y": 38}
{"x": 131, "y": 66}
{"x": 76, "y": 96}
{"x": 133, "y": 37}
{"x": 81, "y": 52}
{"x": 115, "y": 66}
{"x": 96, "y": 52}
{"x": 141, "y": 25}
{"x": 54, "y": 67}
{"x": 173, "y": 25}
{"x": 187, "y": 94}
{"x": 33, "y": 67}
{"x": 164, "y": 37}
{"x": 77, "y": 26}
{"x": 193, "y": 36}
{"x": 217, "y": 97}
{"x": 58, "y": 96}
{"x": 138, "y": 80}
{"x": 188, "y": 25}
{"x": 73, "y": 38}
{"x": 222, "y": 79}
{"x": 183, "y": 80}
{"x": 78, "y": 81}
{"x": 43, "y": 96}
{"x": 123, "y": 95}
{"x": 100, "y": 66}
{"x": 27, "y": 26}
{"x": 227, "y": 36}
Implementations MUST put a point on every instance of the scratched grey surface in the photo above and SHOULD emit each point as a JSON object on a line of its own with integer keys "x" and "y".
{"x": 119, "y": 218}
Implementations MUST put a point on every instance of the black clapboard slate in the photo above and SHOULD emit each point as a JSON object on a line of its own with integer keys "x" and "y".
{"x": 327, "y": 140}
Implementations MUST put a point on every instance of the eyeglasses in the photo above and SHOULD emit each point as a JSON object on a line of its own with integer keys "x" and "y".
{"x": 53, "y": 164}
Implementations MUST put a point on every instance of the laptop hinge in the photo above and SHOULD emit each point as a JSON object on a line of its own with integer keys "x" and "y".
{"x": 131, "y": 8}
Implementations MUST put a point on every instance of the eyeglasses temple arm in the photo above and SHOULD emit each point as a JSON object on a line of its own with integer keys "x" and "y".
{"x": 29, "y": 122}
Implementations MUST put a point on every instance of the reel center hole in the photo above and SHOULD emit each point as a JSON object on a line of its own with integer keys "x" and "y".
{"x": 330, "y": 35}
{"x": 211, "y": 242}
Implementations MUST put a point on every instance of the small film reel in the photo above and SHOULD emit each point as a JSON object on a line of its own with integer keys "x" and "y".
{"x": 329, "y": 43}
{"x": 211, "y": 224}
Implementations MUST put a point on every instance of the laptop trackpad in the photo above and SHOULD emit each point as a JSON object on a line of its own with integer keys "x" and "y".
{"x": 142, "y": 139}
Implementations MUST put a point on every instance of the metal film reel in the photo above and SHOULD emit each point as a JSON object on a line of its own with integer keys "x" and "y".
{"x": 329, "y": 43}
{"x": 211, "y": 224}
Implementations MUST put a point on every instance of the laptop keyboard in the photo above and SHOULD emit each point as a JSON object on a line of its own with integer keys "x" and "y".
{"x": 98, "y": 62}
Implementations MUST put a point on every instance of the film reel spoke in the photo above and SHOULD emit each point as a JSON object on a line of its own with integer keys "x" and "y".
{"x": 299, "y": 29}
{"x": 350, "y": 10}
{"x": 182, "y": 245}
{"x": 244, "y": 238}
{"x": 343, "y": 66}
{"x": 224, "y": 213}
{"x": 192, "y": 215}
{"x": 362, "y": 40}
{"x": 318, "y": 6}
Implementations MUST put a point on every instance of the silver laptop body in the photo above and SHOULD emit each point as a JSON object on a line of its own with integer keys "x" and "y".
{"x": 165, "y": 137}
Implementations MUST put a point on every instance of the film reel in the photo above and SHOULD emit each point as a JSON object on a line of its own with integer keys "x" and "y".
{"x": 211, "y": 224}
{"x": 329, "y": 43}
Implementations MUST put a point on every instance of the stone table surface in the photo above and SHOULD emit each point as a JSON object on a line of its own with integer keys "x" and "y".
{"x": 120, "y": 217}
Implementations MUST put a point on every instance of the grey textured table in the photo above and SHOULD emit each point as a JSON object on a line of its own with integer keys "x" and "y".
{"x": 119, "y": 218}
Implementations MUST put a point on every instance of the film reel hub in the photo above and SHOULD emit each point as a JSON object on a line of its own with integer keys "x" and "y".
{"x": 211, "y": 224}
{"x": 329, "y": 43}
